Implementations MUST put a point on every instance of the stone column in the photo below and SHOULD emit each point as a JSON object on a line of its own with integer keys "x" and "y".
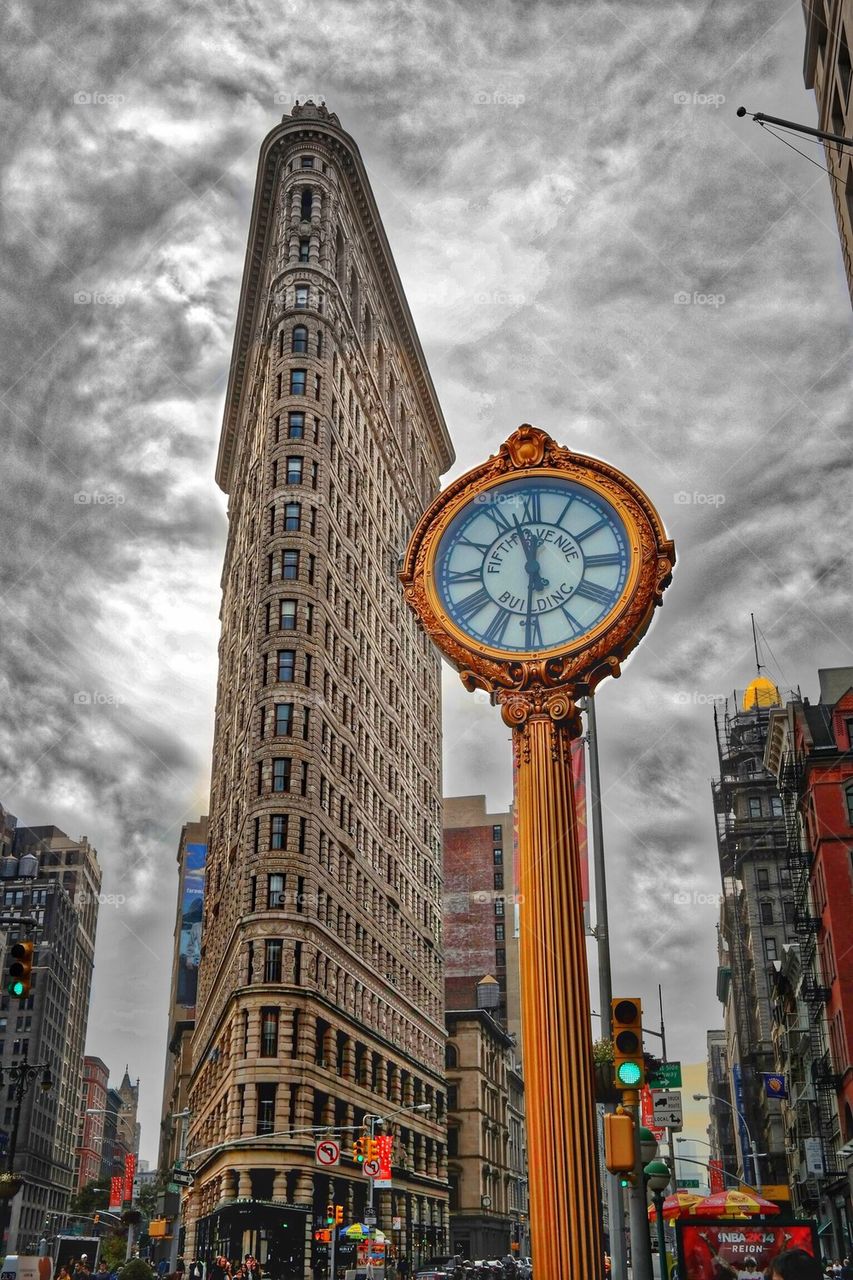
{"x": 244, "y": 1184}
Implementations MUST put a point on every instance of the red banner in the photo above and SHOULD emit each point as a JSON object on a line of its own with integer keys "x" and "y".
{"x": 717, "y": 1181}
{"x": 115, "y": 1193}
{"x": 129, "y": 1171}
{"x": 647, "y": 1114}
{"x": 385, "y": 1146}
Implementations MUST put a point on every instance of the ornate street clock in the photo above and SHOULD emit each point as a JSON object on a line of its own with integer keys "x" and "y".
{"x": 535, "y": 574}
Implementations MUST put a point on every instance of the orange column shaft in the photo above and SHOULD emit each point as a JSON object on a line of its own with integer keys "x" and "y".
{"x": 558, "y": 1068}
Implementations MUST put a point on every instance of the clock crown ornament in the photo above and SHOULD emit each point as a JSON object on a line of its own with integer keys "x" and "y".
{"x": 536, "y": 574}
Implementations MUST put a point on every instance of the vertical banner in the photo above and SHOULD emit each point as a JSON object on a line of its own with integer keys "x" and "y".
{"x": 647, "y": 1114}
{"x": 385, "y": 1148}
{"x": 715, "y": 1176}
{"x": 129, "y": 1174}
{"x": 192, "y": 907}
{"x": 115, "y": 1192}
{"x": 579, "y": 776}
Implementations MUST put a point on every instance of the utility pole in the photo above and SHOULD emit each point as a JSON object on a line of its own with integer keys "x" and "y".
{"x": 613, "y": 1188}
{"x": 181, "y": 1117}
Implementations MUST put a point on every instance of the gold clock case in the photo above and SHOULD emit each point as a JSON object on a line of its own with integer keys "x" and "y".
{"x": 529, "y": 453}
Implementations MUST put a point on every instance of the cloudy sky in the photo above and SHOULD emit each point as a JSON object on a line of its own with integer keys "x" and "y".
{"x": 589, "y": 239}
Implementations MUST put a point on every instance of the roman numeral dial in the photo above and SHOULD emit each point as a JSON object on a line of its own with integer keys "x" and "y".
{"x": 534, "y": 564}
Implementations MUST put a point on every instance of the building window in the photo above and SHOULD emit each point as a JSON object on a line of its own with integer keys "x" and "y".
{"x": 286, "y": 665}
{"x": 451, "y": 1055}
{"x": 776, "y": 807}
{"x": 499, "y": 906}
{"x": 308, "y": 162}
{"x": 306, "y": 201}
{"x": 849, "y": 798}
{"x": 500, "y": 957}
{"x": 755, "y": 806}
{"x": 452, "y": 1097}
{"x": 269, "y": 1033}
{"x": 762, "y": 878}
{"x": 272, "y": 960}
{"x": 497, "y": 832}
{"x": 266, "y": 1108}
{"x": 297, "y": 381}
{"x": 275, "y": 889}
{"x": 499, "y": 879}
{"x": 453, "y": 1141}
{"x": 498, "y": 857}
{"x": 278, "y": 831}
{"x": 299, "y": 340}
{"x": 304, "y": 249}
{"x": 292, "y": 517}
{"x": 283, "y": 719}
{"x": 290, "y": 564}
{"x": 281, "y": 774}
{"x": 499, "y": 933}
{"x": 766, "y": 908}
{"x": 302, "y": 295}
{"x": 294, "y": 470}
{"x": 770, "y": 948}
{"x": 287, "y": 615}
{"x": 295, "y": 425}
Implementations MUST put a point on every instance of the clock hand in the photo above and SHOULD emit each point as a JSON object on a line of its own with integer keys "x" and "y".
{"x": 530, "y": 543}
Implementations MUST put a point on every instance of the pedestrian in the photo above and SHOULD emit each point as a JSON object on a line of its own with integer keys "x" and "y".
{"x": 795, "y": 1264}
{"x": 402, "y": 1265}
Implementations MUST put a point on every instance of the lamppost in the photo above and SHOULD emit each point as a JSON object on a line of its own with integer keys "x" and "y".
{"x": 706, "y": 1097}
{"x": 657, "y": 1176}
{"x": 372, "y": 1121}
{"x": 20, "y": 1078}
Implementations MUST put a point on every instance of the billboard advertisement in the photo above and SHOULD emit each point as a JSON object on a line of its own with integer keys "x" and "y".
{"x": 192, "y": 905}
{"x": 725, "y": 1249}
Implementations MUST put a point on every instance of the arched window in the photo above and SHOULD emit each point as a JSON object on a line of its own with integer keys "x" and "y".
{"x": 299, "y": 340}
{"x": 306, "y": 202}
{"x": 451, "y": 1056}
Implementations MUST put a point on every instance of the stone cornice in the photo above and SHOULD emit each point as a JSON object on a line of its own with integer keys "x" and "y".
{"x": 292, "y": 133}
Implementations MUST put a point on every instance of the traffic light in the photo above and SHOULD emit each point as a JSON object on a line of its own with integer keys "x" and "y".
{"x": 372, "y": 1148}
{"x": 330, "y": 1214}
{"x": 626, "y": 1021}
{"x": 359, "y": 1150}
{"x": 20, "y": 969}
{"x": 619, "y": 1142}
{"x": 626, "y": 1180}
{"x": 339, "y": 1214}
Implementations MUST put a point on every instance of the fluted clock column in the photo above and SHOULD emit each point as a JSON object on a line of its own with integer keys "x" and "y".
{"x": 558, "y": 1071}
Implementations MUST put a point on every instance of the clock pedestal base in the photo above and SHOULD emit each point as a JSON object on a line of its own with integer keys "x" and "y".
{"x": 558, "y": 1067}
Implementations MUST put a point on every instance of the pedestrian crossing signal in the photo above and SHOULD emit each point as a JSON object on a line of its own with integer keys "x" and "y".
{"x": 339, "y": 1214}
{"x": 619, "y": 1142}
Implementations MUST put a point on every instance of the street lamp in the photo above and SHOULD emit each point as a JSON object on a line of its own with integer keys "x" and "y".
{"x": 657, "y": 1176}
{"x": 373, "y": 1121}
{"x": 706, "y": 1097}
{"x": 21, "y": 1077}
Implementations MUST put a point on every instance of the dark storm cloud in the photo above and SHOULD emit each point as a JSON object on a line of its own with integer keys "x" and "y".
{"x": 588, "y": 238}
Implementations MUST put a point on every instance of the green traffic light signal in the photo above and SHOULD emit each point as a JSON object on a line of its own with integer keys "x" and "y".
{"x": 16, "y": 988}
{"x": 629, "y": 1074}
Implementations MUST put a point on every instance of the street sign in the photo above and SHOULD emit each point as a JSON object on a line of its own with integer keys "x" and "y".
{"x": 370, "y": 1216}
{"x": 396, "y": 1224}
{"x": 667, "y": 1076}
{"x": 371, "y": 1168}
{"x": 183, "y": 1177}
{"x": 327, "y": 1152}
{"x": 689, "y": 1184}
{"x": 666, "y": 1109}
{"x": 382, "y": 1184}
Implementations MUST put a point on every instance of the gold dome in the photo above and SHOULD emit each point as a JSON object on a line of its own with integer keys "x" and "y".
{"x": 761, "y": 692}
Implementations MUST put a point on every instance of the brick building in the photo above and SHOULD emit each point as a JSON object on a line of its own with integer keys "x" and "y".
{"x": 320, "y": 991}
{"x": 90, "y": 1140}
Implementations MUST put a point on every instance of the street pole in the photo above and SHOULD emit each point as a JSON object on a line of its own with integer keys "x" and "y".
{"x": 21, "y": 1077}
{"x": 756, "y": 1173}
{"x": 641, "y": 1244}
{"x": 181, "y": 1117}
{"x": 332, "y": 1243}
{"x": 613, "y": 1189}
{"x": 657, "y": 1196}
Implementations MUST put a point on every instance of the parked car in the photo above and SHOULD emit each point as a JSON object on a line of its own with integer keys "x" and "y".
{"x": 438, "y": 1268}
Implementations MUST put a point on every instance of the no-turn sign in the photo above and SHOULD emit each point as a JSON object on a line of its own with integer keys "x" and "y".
{"x": 371, "y": 1168}
{"x": 327, "y": 1152}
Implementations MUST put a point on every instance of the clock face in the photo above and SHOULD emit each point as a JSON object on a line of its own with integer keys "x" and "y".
{"x": 532, "y": 564}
